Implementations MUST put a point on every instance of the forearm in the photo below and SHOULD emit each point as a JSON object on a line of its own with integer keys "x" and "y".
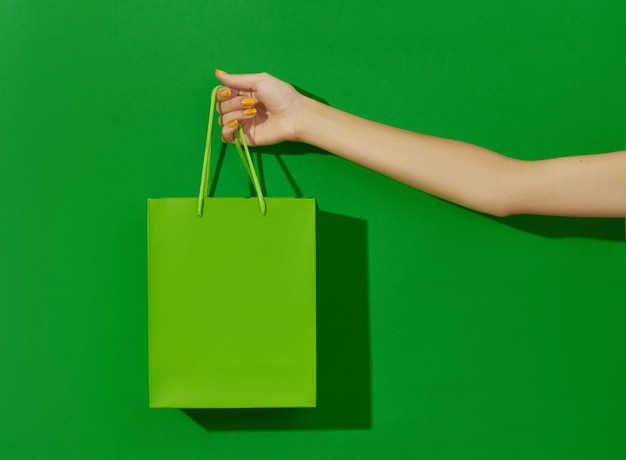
{"x": 463, "y": 173}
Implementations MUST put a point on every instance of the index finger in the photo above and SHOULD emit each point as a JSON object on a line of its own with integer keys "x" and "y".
{"x": 225, "y": 93}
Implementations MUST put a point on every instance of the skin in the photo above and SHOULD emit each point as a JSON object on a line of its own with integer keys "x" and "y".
{"x": 466, "y": 174}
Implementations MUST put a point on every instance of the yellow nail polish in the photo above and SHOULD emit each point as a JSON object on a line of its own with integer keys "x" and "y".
{"x": 248, "y": 101}
{"x": 225, "y": 93}
{"x": 219, "y": 71}
{"x": 233, "y": 123}
{"x": 248, "y": 112}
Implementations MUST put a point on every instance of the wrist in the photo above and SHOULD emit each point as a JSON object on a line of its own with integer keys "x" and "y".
{"x": 303, "y": 120}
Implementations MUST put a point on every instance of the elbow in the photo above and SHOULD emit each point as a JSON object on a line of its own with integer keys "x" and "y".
{"x": 488, "y": 202}
{"x": 502, "y": 207}
{"x": 506, "y": 196}
{"x": 506, "y": 205}
{"x": 511, "y": 196}
{"x": 502, "y": 211}
{"x": 499, "y": 190}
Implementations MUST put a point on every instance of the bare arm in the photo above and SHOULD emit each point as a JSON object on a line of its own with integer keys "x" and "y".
{"x": 474, "y": 177}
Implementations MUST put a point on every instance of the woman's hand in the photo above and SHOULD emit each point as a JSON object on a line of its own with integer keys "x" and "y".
{"x": 265, "y": 106}
{"x": 466, "y": 174}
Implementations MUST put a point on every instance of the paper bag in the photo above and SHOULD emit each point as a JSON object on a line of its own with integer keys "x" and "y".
{"x": 231, "y": 300}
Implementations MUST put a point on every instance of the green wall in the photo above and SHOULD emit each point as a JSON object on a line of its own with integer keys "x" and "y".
{"x": 443, "y": 333}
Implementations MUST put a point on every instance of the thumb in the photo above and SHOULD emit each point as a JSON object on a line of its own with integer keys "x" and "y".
{"x": 241, "y": 82}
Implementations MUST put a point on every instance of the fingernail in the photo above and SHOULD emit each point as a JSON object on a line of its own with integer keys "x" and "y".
{"x": 225, "y": 93}
{"x": 248, "y": 101}
{"x": 248, "y": 112}
{"x": 233, "y": 123}
{"x": 219, "y": 71}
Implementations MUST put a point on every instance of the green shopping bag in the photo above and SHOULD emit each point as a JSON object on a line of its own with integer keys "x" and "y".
{"x": 231, "y": 298}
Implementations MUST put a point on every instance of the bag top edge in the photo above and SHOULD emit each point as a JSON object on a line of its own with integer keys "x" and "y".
{"x": 271, "y": 198}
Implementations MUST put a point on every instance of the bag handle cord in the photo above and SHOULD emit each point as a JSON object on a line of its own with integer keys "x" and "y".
{"x": 244, "y": 154}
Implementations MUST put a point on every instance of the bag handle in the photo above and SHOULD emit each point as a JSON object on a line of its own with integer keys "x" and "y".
{"x": 244, "y": 154}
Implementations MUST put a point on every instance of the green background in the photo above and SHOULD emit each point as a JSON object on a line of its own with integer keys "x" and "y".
{"x": 444, "y": 333}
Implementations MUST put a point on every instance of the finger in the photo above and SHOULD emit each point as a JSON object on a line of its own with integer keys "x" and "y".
{"x": 241, "y": 82}
{"x": 224, "y": 93}
{"x": 228, "y": 131}
{"x": 236, "y": 103}
{"x": 245, "y": 114}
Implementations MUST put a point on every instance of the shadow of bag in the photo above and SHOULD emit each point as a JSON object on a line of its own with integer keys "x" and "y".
{"x": 231, "y": 298}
